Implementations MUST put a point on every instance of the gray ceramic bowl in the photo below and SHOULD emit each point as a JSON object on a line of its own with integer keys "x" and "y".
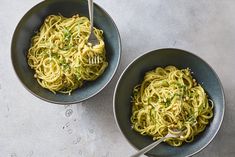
{"x": 134, "y": 74}
{"x": 32, "y": 21}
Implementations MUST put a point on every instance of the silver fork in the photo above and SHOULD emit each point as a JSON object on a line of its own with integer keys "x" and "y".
{"x": 92, "y": 38}
{"x": 154, "y": 144}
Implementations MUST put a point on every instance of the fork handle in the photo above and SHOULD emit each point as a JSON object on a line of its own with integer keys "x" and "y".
{"x": 151, "y": 146}
{"x": 90, "y": 8}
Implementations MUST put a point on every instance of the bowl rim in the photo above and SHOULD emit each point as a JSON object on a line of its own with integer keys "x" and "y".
{"x": 68, "y": 102}
{"x": 194, "y": 55}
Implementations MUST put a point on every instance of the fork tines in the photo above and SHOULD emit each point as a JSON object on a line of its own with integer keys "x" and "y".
{"x": 94, "y": 60}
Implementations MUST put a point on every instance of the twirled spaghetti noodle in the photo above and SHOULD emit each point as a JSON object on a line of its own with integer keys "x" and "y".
{"x": 170, "y": 100}
{"x": 60, "y": 53}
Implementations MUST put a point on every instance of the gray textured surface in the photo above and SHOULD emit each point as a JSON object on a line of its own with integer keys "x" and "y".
{"x": 33, "y": 128}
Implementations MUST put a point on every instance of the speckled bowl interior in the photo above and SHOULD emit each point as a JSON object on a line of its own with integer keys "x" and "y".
{"x": 134, "y": 74}
{"x": 32, "y": 21}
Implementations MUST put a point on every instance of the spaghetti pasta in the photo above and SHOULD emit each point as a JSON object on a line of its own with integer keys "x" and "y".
{"x": 170, "y": 99}
{"x": 60, "y": 53}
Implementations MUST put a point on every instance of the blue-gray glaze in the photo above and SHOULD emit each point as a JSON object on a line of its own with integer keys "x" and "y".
{"x": 31, "y": 22}
{"x": 134, "y": 74}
